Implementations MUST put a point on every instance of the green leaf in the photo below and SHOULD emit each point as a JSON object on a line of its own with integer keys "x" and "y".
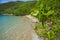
{"x": 35, "y": 13}
{"x": 50, "y": 12}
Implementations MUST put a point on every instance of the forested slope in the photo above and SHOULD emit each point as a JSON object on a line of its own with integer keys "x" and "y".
{"x": 17, "y": 8}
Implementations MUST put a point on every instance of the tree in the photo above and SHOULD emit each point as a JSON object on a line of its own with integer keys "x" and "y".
{"x": 48, "y": 10}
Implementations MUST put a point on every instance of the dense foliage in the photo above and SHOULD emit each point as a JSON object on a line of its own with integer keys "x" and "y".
{"x": 48, "y": 13}
{"x": 17, "y": 8}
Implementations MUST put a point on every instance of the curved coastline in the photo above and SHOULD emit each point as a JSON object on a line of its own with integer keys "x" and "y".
{"x": 34, "y": 21}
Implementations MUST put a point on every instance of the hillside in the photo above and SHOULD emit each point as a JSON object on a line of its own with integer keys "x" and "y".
{"x": 17, "y": 8}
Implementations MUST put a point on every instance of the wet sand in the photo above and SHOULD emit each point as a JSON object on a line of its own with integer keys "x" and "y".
{"x": 18, "y": 32}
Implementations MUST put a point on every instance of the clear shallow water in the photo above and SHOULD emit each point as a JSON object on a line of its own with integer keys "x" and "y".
{"x": 8, "y": 21}
{"x": 14, "y": 28}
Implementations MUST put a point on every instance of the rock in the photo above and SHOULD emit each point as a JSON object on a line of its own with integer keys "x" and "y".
{"x": 33, "y": 19}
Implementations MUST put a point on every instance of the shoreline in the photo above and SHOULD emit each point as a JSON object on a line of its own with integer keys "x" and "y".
{"x": 34, "y": 21}
{"x": 7, "y": 14}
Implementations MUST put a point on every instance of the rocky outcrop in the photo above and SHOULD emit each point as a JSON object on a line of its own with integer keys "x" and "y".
{"x": 33, "y": 19}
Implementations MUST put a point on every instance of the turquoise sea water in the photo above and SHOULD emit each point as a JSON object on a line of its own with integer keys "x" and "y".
{"x": 14, "y": 28}
{"x": 9, "y": 21}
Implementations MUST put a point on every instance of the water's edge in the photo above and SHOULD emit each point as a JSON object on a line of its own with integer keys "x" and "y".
{"x": 33, "y": 20}
{"x": 11, "y": 25}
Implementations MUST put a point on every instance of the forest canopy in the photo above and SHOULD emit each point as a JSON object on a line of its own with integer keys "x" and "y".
{"x": 17, "y": 8}
{"x": 47, "y": 12}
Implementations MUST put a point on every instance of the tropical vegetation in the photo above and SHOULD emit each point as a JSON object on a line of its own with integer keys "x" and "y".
{"x": 47, "y": 12}
{"x": 17, "y": 8}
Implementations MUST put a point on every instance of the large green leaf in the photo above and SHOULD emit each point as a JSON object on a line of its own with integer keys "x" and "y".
{"x": 50, "y": 12}
{"x": 35, "y": 12}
